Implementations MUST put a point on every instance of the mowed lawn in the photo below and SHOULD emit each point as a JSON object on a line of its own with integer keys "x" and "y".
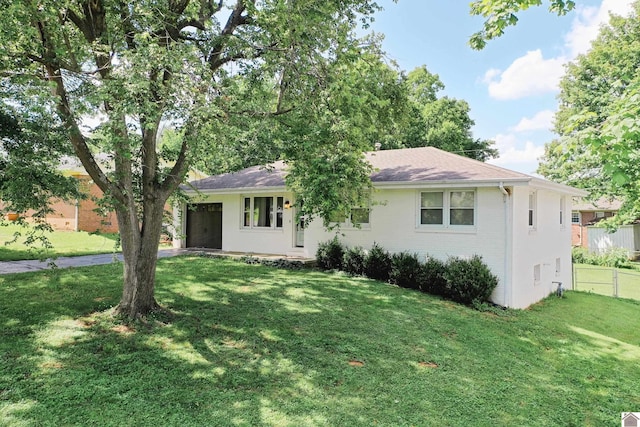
{"x": 600, "y": 280}
{"x": 65, "y": 243}
{"x": 249, "y": 345}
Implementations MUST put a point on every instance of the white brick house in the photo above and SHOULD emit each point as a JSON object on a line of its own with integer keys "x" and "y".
{"x": 427, "y": 201}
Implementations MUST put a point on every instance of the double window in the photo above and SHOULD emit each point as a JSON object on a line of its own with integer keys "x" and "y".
{"x": 262, "y": 212}
{"x": 357, "y": 217}
{"x": 448, "y": 208}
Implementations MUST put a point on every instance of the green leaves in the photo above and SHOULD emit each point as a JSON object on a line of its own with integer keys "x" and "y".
{"x": 501, "y": 14}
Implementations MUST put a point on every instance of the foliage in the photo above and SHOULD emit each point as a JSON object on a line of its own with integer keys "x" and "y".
{"x": 117, "y": 74}
{"x": 405, "y": 270}
{"x": 597, "y": 122}
{"x": 272, "y": 347}
{"x": 330, "y": 254}
{"x": 353, "y": 262}
{"x": 432, "y": 276}
{"x": 613, "y": 257}
{"x": 443, "y": 123}
{"x": 500, "y": 14}
{"x": 469, "y": 281}
{"x": 377, "y": 264}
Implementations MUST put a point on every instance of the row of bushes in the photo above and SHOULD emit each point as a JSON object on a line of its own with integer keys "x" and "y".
{"x": 614, "y": 257}
{"x": 468, "y": 281}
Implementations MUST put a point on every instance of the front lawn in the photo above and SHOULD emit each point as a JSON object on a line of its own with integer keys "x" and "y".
{"x": 65, "y": 243}
{"x": 250, "y": 345}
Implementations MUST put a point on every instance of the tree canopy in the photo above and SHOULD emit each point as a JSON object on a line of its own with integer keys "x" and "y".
{"x": 434, "y": 121}
{"x": 597, "y": 121}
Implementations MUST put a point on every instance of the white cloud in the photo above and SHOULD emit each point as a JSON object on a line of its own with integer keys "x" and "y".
{"x": 516, "y": 155}
{"x": 542, "y": 120}
{"x": 586, "y": 25}
{"x": 528, "y": 75}
{"x": 532, "y": 74}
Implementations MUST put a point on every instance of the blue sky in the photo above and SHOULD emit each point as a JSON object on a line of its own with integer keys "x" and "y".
{"x": 511, "y": 85}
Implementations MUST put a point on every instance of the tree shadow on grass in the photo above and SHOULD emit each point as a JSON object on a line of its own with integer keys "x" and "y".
{"x": 249, "y": 345}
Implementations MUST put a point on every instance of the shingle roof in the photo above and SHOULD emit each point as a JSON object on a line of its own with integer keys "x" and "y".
{"x": 602, "y": 204}
{"x": 408, "y": 165}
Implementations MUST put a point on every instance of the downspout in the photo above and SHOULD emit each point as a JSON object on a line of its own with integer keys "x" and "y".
{"x": 507, "y": 279}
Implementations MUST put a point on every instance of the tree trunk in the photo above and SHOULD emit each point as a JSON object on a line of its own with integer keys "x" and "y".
{"x": 140, "y": 252}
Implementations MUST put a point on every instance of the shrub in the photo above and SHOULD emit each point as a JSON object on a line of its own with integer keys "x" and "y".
{"x": 405, "y": 270}
{"x": 377, "y": 264}
{"x": 469, "y": 281}
{"x": 353, "y": 261}
{"x": 613, "y": 257}
{"x": 580, "y": 255}
{"x": 329, "y": 255}
{"x": 432, "y": 277}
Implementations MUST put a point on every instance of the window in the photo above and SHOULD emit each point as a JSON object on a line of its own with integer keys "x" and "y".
{"x": 262, "y": 212}
{"x": 431, "y": 208}
{"x": 358, "y": 217}
{"x": 599, "y": 214}
{"x": 532, "y": 210}
{"x": 561, "y": 211}
{"x": 462, "y": 207}
{"x": 448, "y": 208}
{"x": 536, "y": 274}
{"x": 575, "y": 217}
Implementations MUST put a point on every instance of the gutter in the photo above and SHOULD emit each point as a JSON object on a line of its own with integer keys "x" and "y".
{"x": 507, "y": 240}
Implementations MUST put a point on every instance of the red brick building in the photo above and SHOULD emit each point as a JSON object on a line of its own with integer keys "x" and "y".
{"x": 587, "y": 213}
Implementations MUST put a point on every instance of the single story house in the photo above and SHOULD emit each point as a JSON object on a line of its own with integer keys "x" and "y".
{"x": 585, "y": 213}
{"x": 426, "y": 201}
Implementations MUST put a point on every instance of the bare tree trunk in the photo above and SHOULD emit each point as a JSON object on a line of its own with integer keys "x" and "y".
{"x": 140, "y": 251}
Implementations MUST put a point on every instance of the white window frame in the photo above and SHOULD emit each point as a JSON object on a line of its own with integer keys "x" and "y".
{"x": 348, "y": 219}
{"x": 532, "y": 212}
{"x": 276, "y": 213}
{"x": 575, "y": 215}
{"x": 447, "y": 208}
{"x": 562, "y": 210}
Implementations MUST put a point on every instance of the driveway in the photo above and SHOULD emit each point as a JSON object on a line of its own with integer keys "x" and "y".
{"x": 9, "y": 267}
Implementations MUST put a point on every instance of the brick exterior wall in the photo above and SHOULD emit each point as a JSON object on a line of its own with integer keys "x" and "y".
{"x": 90, "y": 220}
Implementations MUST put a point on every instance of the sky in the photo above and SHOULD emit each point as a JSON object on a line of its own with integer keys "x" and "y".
{"x": 512, "y": 84}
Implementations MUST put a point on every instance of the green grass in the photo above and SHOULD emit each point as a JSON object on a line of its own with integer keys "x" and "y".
{"x": 249, "y": 345}
{"x": 65, "y": 243}
{"x": 599, "y": 280}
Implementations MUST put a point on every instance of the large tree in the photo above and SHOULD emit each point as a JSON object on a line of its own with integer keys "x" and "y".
{"x": 597, "y": 122}
{"x": 135, "y": 66}
{"x": 435, "y": 121}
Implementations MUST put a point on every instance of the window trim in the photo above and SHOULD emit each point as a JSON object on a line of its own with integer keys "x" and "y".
{"x": 447, "y": 209}
{"x": 563, "y": 208}
{"x": 248, "y": 216}
{"x": 577, "y": 216}
{"x": 348, "y": 219}
{"x": 532, "y": 211}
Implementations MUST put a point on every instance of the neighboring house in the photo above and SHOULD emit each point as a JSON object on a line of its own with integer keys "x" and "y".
{"x": 586, "y": 232}
{"x": 426, "y": 201}
{"x": 586, "y": 213}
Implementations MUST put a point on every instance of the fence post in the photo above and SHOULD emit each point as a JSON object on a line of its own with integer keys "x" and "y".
{"x": 615, "y": 282}
{"x": 573, "y": 276}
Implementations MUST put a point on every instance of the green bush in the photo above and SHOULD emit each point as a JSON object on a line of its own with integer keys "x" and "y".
{"x": 377, "y": 264}
{"x": 405, "y": 270}
{"x": 353, "y": 261}
{"x": 613, "y": 257}
{"x": 469, "y": 281}
{"x": 329, "y": 255}
{"x": 432, "y": 277}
